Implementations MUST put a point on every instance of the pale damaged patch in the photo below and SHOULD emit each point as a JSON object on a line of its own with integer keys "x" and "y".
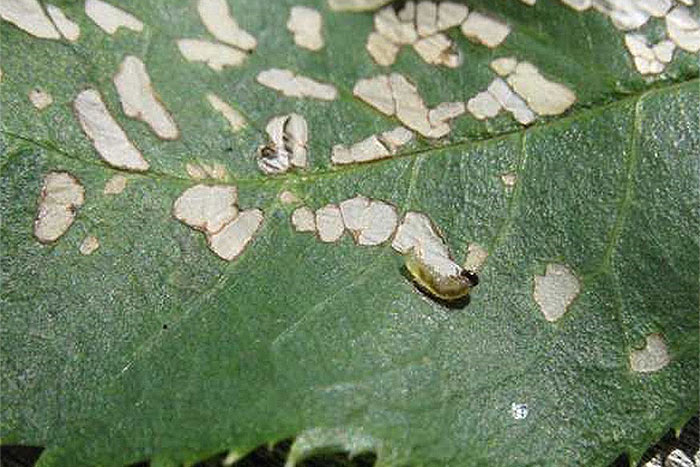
{"x": 395, "y": 95}
{"x": 484, "y": 105}
{"x": 370, "y": 222}
{"x": 216, "y": 16}
{"x": 293, "y": 85}
{"x": 40, "y": 98}
{"x": 89, "y": 245}
{"x": 683, "y": 29}
{"x": 555, "y": 291}
{"x": 438, "y": 49}
{"x": 417, "y": 231}
{"x": 115, "y": 185}
{"x": 287, "y": 197}
{"x": 355, "y": 5}
{"x": 30, "y": 17}
{"x": 68, "y": 28}
{"x": 420, "y": 27}
{"x": 476, "y": 257}
{"x": 329, "y": 222}
{"x": 305, "y": 25}
{"x": 381, "y": 49}
{"x": 653, "y": 357}
{"x": 233, "y": 238}
{"x": 207, "y": 208}
{"x": 445, "y": 111}
{"x": 647, "y": 59}
{"x": 234, "y": 118}
{"x": 289, "y": 135}
{"x": 511, "y": 102}
{"x": 504, "y": 66}
{"x": 489, "y": 31}
{"x": 372, "y": 148}
{"x": 509, "y": 179}
{"x": 304, "y": 220}
{"x": 215, "y": 55}
{"x": 542, "y": 96}
{"x": 60, "y": 198}
{"x": 140, "y": 101}
{"x": 106, "y": 135}
{"x": 451, "y": 14}
{"x": 110, "y": 18}
{"x": 203, "y": 171}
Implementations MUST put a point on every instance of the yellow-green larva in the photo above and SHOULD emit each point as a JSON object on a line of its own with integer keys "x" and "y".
{"x": 450, "y": 287}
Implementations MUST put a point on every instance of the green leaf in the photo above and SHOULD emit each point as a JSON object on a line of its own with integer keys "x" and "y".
{"x": 153, "y": 347}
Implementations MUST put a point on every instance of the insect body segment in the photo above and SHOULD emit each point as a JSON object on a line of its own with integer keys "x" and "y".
{"x": 439, "y": 276}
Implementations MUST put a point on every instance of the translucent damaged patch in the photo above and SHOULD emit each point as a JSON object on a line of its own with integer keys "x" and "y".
{"x": 217, "y": 18}
{"x": 140, "y": 101}
{"x": 451, "y": 14}
{"x": 390, "y": 26}
{"x": 646, "y": 59}
{"x": 40, "y": 98}
{"x": 372, "y": 148}
{"x": 304, "y": 220}
{"x": 115, "y": 185}
{"x": 489, "y": 31}
{"x": 206, "y": 208}
{"x": 89, "y": 245}
{"x": 109, "y": 139}
{"x": 61, "y": 196}
{"x": 509, "y": 179}
{"x": 215, "y": 55}
{"x": 111, "y": 18}
{"x": 511, "y": 102}
{"x": 287, "y": 197}
{"x": 683, "y": 29}
{"x": 231, "y": 240}
{"x": 381, "y": 49}
{"x": 234, "y": 118}
{"x": 438, "y": 49}
{"x": 68, "y": 28}
{"x": 30, "y": 17}
{"x": 484, "y": 105}
{"x": 544, "y": 97}
{"x": 476, "y": 257}
{"x": 555, "y": 291}
{"x": 355, "y": 5}
{"x": 288, "y": 135}
{"x": 504, "y": 66}
{"x": 305, "y": 25}
{"x": 203, "y": 170}
{"x": 445, "y": 111}
{"x": 417, "y": 230}
{"x": 370, "y": 222}
{"x": 329, "y": 222}
{"x": 426, "y": 18}
{"x": 293, "y": 85}
{"x": 653, "y": 357}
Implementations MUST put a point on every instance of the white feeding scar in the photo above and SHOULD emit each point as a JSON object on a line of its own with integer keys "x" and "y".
{"x": 139, "y": 99}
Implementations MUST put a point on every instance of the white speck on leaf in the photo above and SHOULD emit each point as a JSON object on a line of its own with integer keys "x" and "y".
{"x": 476, "y": 256}
{"x": 519, "y": 411}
